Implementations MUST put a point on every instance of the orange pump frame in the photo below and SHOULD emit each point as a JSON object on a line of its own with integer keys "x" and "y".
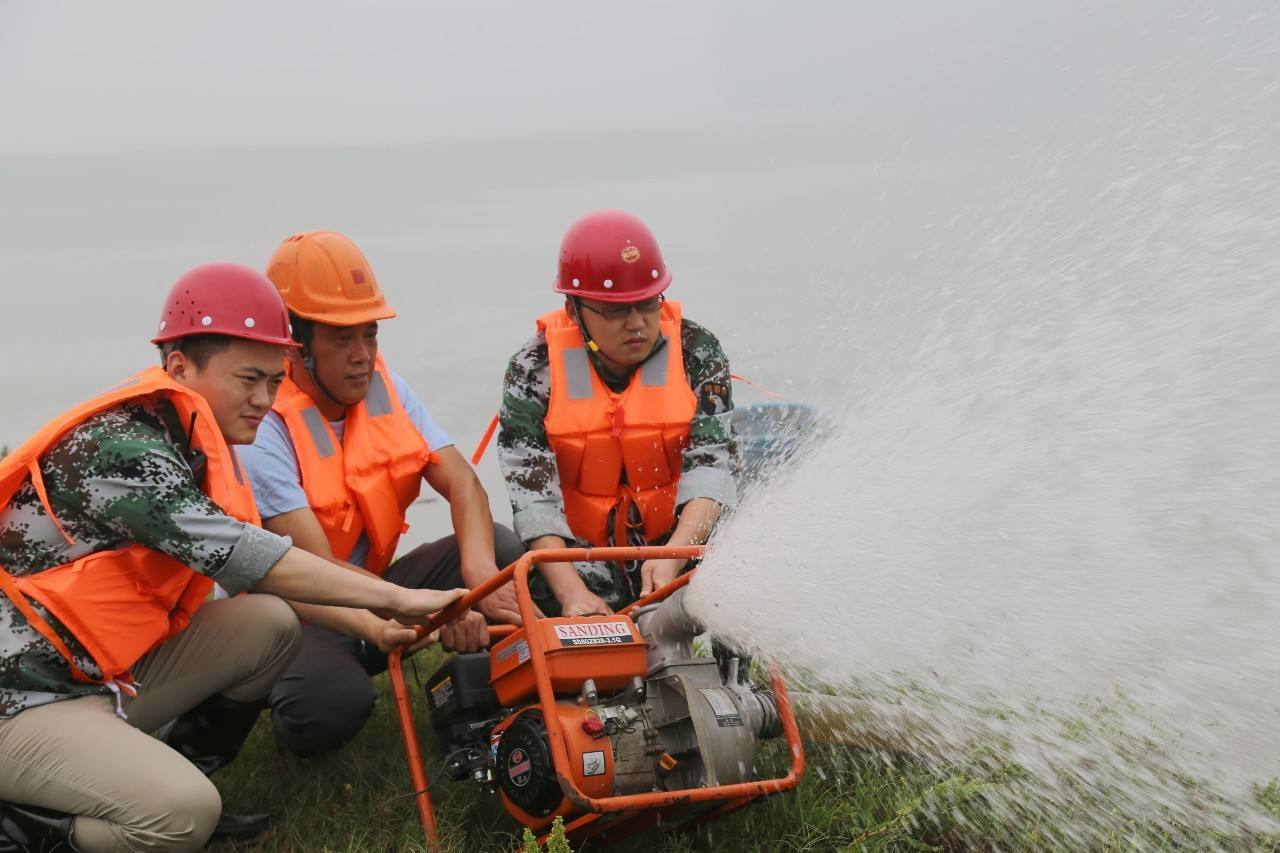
{"x": 639, "y": 810}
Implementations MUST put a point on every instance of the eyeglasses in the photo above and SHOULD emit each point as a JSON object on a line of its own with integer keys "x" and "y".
{"x": 621, "y": 312}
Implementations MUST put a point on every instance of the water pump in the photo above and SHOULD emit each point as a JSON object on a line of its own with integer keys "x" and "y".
{"x": 611, "y": 722}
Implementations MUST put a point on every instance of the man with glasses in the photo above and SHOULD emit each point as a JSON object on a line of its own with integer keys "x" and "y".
{"x": 615, "y": 422}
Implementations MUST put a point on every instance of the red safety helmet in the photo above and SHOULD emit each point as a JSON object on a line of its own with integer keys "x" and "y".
{"x": 224, "y": 299}
{"x": 611, "y": 256}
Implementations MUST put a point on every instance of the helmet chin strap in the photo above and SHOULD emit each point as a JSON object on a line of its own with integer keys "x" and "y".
{"x": 582, "y": 327}
{"x": 309, "y": 362}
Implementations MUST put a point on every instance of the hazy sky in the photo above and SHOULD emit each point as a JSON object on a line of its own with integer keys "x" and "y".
{"x": 886, "y": 122}
{"x": 94, "y": 76}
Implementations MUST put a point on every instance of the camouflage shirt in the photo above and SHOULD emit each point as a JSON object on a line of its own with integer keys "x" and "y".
{"x": 529, "y": 464}
{"x": 121, "y": 477}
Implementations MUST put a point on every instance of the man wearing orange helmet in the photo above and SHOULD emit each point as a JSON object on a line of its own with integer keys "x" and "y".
{"x": 336, "y": 465}
{"x": 615, "y": 423}
{"x": 115, "y": 521}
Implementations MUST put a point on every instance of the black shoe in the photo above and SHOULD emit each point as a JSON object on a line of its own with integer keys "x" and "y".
{"x": 210, "y": 734}
{"x": 31, "y": 829}
{"x": 239, "y": 827}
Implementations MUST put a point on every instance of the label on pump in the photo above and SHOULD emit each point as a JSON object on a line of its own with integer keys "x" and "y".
{"x": 594, "y": 634}
{"x": 593, "y": 763}
{"x": 519, "y": 767}
{"x": 442, "y": 692}
{"x": 722, "y": 706}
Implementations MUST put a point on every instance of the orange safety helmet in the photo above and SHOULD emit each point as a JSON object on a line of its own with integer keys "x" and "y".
{"x": 611, "y": 256}
{"x": 323, "y": 277}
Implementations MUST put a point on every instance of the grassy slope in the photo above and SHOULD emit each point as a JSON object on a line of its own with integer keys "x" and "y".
{"x": 357, "y": 800}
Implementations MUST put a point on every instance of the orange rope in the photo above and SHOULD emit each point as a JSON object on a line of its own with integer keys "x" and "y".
{"x": 757, "y": 386}
{"x": 484, "y": 442}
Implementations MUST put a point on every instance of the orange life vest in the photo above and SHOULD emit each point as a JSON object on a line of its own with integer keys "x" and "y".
{"x": 617, "y": 449}
{"x": 365, "y": 483}
{"x": 120, "y": 604}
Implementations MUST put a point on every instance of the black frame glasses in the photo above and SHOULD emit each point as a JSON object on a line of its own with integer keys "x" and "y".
{"x": 622, "y": 311}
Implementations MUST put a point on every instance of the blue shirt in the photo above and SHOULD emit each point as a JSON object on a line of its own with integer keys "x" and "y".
{"x": 272, "y": 462}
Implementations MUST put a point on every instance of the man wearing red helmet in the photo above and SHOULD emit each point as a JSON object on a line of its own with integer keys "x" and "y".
{"x": 115, "y": 520}
{"x": 615, "y": 423}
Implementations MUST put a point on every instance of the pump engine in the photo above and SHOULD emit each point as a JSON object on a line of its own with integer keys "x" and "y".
{"x": 639, "y": 710}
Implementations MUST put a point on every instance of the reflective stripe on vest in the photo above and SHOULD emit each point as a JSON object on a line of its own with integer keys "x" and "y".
{"x": 378, "y": 401}
{"x": 615, "y": 449}
{"x": 653, "y": 373}
{"x": 577, "y": 370}
{"x": 318, "y": 429}
{"x": 365, "y": 483}
{"x": 120, "y": 604}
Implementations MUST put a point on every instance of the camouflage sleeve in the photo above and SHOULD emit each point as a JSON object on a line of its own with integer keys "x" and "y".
{"x": 711, "y": 459}
{"x": 125, "y": 476}
{"x": 524, "y": 454}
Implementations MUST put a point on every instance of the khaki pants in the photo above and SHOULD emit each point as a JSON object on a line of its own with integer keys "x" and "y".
{"x": 129, "y": 790}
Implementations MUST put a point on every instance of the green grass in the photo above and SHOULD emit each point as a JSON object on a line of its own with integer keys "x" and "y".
{"x": 359, "y": 799}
